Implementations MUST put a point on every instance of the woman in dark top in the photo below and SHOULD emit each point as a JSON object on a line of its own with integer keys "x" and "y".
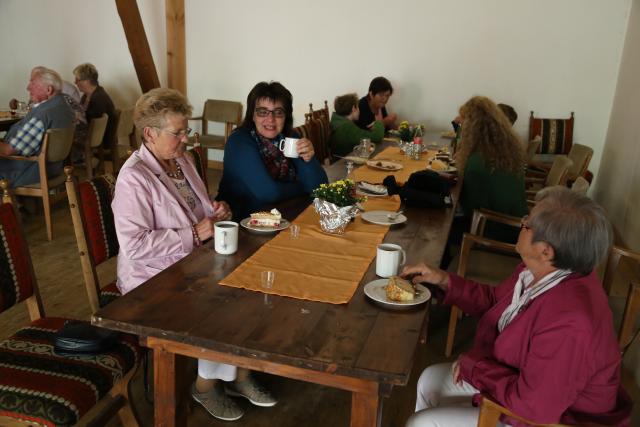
{"x": 372, "y": 107}
{"x": 96, "y": 100}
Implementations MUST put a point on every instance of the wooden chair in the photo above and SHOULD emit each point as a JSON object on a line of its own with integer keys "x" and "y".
{"x": 556, "y": 135}
{"x": 317, "y": 129}
{"x": 557, "y": 176}
{"x": 580, "y": 156}
{"x": 199, "y": 158}
{"x": 90, "y": 205}
{"x": 95, "y": 135}
{"x": 56, "y": 147}
{"x": 215, "y": 110}
{"x": 490, "y": 411}
{"x": 483, "y": 260}
{"x": 532, "y": 149}
{"x": 38, "y": 386}
{"x": 580, "y": 185}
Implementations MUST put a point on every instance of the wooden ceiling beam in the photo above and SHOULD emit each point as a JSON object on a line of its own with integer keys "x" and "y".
{"x": 138, "y": 44}
{"x": 176, "y": 50}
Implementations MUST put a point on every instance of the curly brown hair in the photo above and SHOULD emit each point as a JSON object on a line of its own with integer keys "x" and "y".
{"x": 485, "y": 129}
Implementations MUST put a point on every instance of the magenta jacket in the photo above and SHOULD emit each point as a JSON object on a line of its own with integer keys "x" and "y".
{"x": 557, "y": 361}
{"x": 153, "y": 222}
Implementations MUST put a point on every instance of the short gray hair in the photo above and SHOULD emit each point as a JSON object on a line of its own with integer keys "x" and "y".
{"x": 49, "y": 77}
{"x": 574, "y": 225}
{"x": 88, "y": 72}
{"x": 152, "y": 107}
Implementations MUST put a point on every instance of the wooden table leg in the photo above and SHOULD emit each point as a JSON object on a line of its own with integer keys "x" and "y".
{"x": 365, "y": 408}
{"x": 167, "y": 410}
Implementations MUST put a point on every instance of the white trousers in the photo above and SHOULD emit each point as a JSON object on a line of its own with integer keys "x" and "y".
{"x": 441, "y": 403}
{"x": 216, "y": 371}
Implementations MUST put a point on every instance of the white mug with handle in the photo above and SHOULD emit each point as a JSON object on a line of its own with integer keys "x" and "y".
{"x": 389, "y": 259}
{"x": 225, "y": 236}
{"x": 289, "y": 146}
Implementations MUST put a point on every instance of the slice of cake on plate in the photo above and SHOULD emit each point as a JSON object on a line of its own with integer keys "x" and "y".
{"x": 398, "y": 289}
{"x": 266, "y": 219}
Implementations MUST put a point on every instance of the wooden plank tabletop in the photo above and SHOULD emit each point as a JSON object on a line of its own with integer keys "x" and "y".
{"x": 185, "y": 304}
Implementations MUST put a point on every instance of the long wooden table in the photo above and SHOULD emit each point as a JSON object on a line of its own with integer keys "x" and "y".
{"x": 359, "y": 347}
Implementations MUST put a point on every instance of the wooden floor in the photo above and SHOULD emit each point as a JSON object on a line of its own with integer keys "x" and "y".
{"x": 58, "y": 271}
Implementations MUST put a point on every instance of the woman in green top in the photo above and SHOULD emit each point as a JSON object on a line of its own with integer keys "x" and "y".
{"x": 345, "y": 134}
{"x": 492, "y": 159}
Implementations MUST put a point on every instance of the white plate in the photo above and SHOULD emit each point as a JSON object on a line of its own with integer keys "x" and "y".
{"x": 367, "y": 192}
{"x": 283, "y": 224}
{"x": 384, "y": 165}
{"x": 449, "y": 134}
{"x": 380, "y": 217}
{"x": 375, "y": 290}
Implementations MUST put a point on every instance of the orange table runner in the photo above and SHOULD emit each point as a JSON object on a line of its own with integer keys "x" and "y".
{"x": 316, "y": 266}
{"x": 409, "y": 166}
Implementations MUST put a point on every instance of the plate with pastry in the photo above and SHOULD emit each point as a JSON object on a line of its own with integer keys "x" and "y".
{"x": 372, "y": 190}
{"x": 265, "y": 222}
{"x": 396, "y": 293}
{"x": 440, "y": 166}
{"x": 385, "y": 165}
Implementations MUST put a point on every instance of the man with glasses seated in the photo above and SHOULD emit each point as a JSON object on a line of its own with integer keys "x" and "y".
{"x": 256, "y": 173}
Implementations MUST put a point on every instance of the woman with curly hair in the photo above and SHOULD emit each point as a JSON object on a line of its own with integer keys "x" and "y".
{"x": 492, "y": 159}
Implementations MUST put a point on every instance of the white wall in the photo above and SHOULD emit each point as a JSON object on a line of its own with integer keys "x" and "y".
{"x": 618, "y": 186}
{"x": 549, "y": 56}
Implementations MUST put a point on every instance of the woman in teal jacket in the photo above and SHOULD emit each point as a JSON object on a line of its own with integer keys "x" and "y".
{"x": 345, "y": 134}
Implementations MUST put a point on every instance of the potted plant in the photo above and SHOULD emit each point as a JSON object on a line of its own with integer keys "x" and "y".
{"x": 336, "y": 205}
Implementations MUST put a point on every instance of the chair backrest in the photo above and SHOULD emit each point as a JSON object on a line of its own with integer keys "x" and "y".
{"x": 18, "y": 283}
{"x": 556, "y": 134}
{"x": 580, "y": 155}
{"x": 126, "y": 129}
{"x": 199, "y": 158}
{"x": 217, "y": 110}
{"x": 532, "y": 149}
{"x": 57, "y": 144}
{"x": 559, "y": 171}
{"x": 317, "y": 129}
{"x": 580, "y": 185}
{"x": 97, "y": 127}
{"x": 616, "y": 254}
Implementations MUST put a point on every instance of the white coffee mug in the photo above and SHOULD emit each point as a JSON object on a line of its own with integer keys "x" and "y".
{"x": 389, "y": 259}
{"x": 225, "y": 237}
{"x": 289, "y": 146}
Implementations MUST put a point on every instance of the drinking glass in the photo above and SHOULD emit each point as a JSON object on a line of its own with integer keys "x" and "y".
{"x": 294, "y": 229}
{"x": 266, "y": 280}
{"x": 349, "y": 167}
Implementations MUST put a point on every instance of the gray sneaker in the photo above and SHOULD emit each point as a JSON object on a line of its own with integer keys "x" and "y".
{"x": 217, "y": 403}
{"x": 251, "y": 390}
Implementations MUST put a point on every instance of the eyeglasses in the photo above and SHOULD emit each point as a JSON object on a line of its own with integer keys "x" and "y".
{"x": 278, "y": 113}
{"x": 179, "y": 134}
{"x": 523, "y": 223}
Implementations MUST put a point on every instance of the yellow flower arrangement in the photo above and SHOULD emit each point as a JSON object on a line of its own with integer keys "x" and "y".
{"x": 408, "y": 131}
{"x": 340, "y": 193}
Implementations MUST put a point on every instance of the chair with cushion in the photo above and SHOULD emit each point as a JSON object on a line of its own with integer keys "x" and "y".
{"x": 556, "y": 135}
{"x": 90, "y": 205}
{"x": 38, "y": 386}
{"x": 215, "y": 110}
{"x": 483, "y": 260}
{"x": 95, "y": 135}
{"x": 56, "y": 147}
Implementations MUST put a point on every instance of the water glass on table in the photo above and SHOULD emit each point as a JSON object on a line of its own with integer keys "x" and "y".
{"x": 349, "y": 167}
{"x": 294, "y": 231}
{"x": 267, "y": 278}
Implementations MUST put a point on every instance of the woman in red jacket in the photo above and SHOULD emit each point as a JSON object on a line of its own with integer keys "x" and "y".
{"x": 545, "y": 347}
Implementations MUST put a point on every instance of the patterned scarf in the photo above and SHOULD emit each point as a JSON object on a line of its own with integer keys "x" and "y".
{"x": 521, "y": 299}
{"x": 278, "y": 166}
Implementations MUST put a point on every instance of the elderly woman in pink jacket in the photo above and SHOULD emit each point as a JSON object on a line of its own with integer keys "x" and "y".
{"x": 545, "y": 347}
{"x": 162, "y": 212}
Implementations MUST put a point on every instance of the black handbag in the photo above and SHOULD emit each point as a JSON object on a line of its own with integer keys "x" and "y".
{"x": 77, "y": 338}
{"x": 423, "y": 189}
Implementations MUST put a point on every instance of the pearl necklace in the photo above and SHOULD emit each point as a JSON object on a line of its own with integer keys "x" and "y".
{"x": 178, "y": 173}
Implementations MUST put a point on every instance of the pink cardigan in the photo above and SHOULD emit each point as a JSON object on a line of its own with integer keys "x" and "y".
{"x": 557, "y": 361}
{"x": 153, "y": 222}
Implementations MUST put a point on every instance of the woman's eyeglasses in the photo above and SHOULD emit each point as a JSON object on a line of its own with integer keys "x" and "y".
{"x": 524, "y": 224}
{"x": 179, "y": 134}
{"x": 278, "y": 113}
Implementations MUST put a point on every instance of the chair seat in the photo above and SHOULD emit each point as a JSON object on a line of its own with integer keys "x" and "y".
{"x": 109, "y": 294}
{"x": 39, "y": 386}
{"x": 53, "y": 182}
{"x": 210, "y": 141}
{"x": 487, "y": 267}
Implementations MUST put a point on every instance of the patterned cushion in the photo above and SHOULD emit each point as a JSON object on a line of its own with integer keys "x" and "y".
{"x": 200, "y": 161}
{"x": 556, "y": 134}
{"x": 109, "y": 294}
{"x": 37, "y": 385}
{"x": 95, "y": 198}
{"x": 16, "y": 279}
